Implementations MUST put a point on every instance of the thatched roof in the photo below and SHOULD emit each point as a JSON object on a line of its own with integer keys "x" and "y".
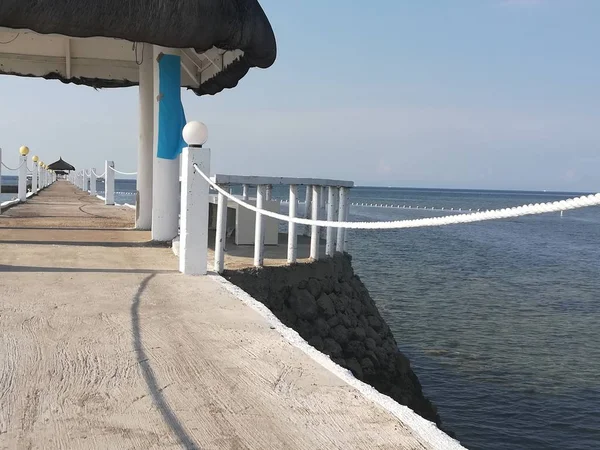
{"x": 61, "y": 165}
{"x": 198, "y": 24}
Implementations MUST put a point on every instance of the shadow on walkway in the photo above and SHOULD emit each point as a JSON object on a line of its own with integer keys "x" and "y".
{"x": 157, "y": 396}
{"x": 21, "y": 269}
{"x": 90, "y": 244}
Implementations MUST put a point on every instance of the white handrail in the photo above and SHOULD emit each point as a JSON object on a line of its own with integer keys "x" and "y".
{"x": 98, "y": 176}
{"x": 122, "y": 173}
{"x": 10, "y": 168}
{"x": 506, "y": 213}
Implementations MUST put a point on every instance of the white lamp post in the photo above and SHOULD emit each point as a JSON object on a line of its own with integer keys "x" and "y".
{"x": 193, "y": 244}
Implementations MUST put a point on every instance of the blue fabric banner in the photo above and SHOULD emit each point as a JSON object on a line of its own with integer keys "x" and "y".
{"x": 171, "y": 117}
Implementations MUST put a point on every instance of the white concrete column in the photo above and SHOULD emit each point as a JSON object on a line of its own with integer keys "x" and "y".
{"x": 93, "y": 180}
{"x": 193, "y": 243}
{"x": 165, "y": 179}
{"x": 332, "y": 215}
{"x": 84, "y": 182}
{"x": 23, "y": 178}
{"x": 221, "y": 233}
{"x": 292, "y": 253}
{"x": 314, "y": 234}
{"x": 342, "y": 217}
{"x": 245, "y": 192}
{"x": 143, "y": 206}
{"x": 109, "y": 183}
{"x": 259, "y": 229}
{"x": 34, "y": 178}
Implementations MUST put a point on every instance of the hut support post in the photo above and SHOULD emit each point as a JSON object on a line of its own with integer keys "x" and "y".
{"x": 143, "y": 220}
{"x": 23, "y": 178}
{"x": 34, "y": 179}
{"x": 109, "y": 183}
{"x": 93, "y": 190}
{"x": 165, "y": 180}
{"x": 193, "y": 243}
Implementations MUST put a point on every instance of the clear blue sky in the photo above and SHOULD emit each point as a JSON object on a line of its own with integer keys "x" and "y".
{"x": 448, "y": 93}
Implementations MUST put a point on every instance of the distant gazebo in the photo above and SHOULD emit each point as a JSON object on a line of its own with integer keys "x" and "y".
{"x": 61, "y": 166}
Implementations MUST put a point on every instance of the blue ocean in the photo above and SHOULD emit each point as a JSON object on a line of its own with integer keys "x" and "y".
{"x": 501, "y": 319}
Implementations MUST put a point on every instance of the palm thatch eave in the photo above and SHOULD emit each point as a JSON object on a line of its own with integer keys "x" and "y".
{"x": 198, "y": 24}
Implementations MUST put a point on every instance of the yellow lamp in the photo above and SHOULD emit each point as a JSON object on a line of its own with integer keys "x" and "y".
{"x": 24, "y": 151}
{"x": 35, "y": 159}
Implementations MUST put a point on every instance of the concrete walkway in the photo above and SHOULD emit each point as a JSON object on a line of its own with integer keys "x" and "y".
{"x": 104, "y": 345}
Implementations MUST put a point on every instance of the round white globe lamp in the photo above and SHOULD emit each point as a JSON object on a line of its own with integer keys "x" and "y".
{"x": 195, "y": 134}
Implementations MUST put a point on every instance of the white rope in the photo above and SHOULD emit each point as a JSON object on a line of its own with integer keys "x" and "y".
{"x": 88, "y": 173}
{"x": 98, "y": 176}
{"x": 506, "y": 213}
{"x": 122, "y": 173}
{"x": 9, "y": 168}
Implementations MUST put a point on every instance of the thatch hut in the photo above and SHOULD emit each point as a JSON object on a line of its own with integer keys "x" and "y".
{"x": 160, "y": 45}
{"x": 61, "y": 166}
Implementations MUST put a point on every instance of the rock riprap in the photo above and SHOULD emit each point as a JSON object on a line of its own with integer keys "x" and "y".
{"x": 330, "y": 307}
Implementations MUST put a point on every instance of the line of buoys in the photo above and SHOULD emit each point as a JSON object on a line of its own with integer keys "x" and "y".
{"x": 419, "y": 207}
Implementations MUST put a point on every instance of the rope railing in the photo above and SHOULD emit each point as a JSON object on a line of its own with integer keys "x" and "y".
{"x": 10, "y": 168}
{"x": 122, "y": 173}
{"x": 506, "y": 213}
{"x": 98, "y": 176}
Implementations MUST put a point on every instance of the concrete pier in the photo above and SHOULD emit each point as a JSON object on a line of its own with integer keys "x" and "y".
{"x": 105, "y": 344}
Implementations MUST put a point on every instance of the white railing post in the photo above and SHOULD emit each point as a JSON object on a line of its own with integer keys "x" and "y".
{"x": 0, "y": 175}
{"x": 93, "y": 189}
{"x": 23, "y": 174}
{"x": 332, "y": 215}
{"x": 193, "y": 243}
{"x": 34, "y": 176}
{"x": 109, "y": 183}
{"x": 292, "y": 235}
{"x": 221, "y": 233}
{"x": 269, "y": 193}
{"x": 245, "y": 192}
{"x": 259, "y": 231}
{"x": 39, "y": 176}
{"x": 346, "y": 216}
{"x": 84, "y": 183}
{"x": 342, "y": 217}
{"x": 314, "y": 234}
{"x": 308, "y": 208}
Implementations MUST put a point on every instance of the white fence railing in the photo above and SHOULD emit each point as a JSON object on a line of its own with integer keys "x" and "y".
{"x": 324, "y": 198}
{"x": 86, "y": 180}
{"x": 41, "y": 176}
